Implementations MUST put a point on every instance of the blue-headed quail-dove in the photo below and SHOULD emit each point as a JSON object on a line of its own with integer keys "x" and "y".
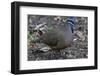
{"x": 58, "y": 36}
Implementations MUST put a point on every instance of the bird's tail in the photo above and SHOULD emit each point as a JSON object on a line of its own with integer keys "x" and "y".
{"x": 71, "y": 21}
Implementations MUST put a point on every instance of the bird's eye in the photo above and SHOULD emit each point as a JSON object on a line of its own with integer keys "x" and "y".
{"x": 40, "y": 32}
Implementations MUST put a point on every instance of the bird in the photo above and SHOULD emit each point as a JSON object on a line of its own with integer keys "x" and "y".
{"x": 58, "y": 36}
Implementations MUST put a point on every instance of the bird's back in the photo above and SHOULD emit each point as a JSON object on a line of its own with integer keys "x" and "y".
{"x": 58, "y": 38}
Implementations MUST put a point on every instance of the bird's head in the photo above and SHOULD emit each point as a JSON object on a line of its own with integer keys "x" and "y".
{"x": 40, "y": 29}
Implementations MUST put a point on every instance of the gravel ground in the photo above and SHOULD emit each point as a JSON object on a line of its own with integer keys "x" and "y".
{"x": 77, "y": 50}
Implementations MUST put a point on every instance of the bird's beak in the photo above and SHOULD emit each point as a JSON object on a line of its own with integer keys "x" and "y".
{"x": 34, "y": 30}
